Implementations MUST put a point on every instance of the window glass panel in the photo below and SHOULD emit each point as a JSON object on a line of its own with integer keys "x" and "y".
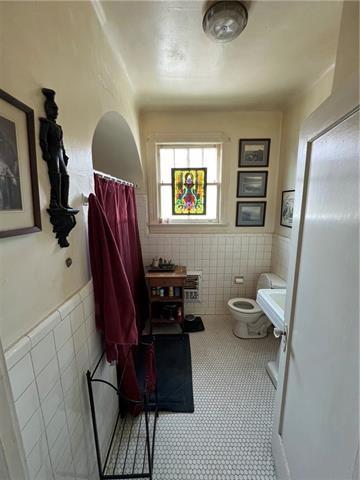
{"x": 165, "y": 202}
{"x": 211, "y": 163}
{"x": 195, "y": 157}
{"x": 181, "y": 157}
{"x": 166, "y": 164}
{"x": 211, "y": 201}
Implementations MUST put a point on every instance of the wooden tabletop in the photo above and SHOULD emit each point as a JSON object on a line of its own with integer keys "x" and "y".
{"x": 179, "y": 272}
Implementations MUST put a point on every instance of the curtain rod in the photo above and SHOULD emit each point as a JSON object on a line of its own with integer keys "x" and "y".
{"x": 106, "y": 176}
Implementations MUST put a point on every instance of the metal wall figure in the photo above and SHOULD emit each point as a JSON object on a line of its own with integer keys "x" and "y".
{"x": 62, "y": 216}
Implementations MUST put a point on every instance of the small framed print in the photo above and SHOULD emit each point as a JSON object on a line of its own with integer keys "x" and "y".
{"x": 252, "y": 184}
{"x": 19, "y": 194}
{"x": 287, "y": 208}
{"x": 254, "y": 152}
{"x": 250, "y": 214}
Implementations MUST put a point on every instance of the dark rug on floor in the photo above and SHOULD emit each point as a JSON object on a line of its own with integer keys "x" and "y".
{"x": 194, "y": 326}
{"x": 174, "y": 373}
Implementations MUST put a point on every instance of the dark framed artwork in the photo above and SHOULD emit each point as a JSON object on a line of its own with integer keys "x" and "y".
{"x": 250, "y": 214}
{"x": 19, "y": 192}
{"x": 287, "y": 208}
{"x": 188, "y": 191}
{"x": 252, "y": 184}
{"x": 254, "y": 152}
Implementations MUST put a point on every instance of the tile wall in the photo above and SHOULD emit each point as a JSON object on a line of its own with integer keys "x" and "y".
{"x": 47, "y": 375}
{"x": 220, "y": 257}
{"x": 280, "y": 255}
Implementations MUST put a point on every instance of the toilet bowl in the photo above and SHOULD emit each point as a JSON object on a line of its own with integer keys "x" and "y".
{"x": 249, "y": 321}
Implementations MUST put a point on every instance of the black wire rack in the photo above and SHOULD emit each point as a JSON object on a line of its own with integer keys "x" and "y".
{"x": 130, "y": 453}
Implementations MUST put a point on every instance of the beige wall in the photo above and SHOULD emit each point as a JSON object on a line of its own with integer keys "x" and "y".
{"x": 347, "y": 55}
{"x": 293, "y": 118}
{"x": 347, "y": 62}
{"x": 233, "y": 125}
{"x": 59, "y": 45}
{"x": 114, "y": 149}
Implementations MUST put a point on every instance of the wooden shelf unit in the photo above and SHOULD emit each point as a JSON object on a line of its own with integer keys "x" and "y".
{"x": 165, "y": 280}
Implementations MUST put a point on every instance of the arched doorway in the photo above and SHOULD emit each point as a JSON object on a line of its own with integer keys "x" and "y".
{"x": 114, "y": 149}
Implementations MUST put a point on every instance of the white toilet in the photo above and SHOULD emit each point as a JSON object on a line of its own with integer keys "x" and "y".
{"x": 249, "y": 320}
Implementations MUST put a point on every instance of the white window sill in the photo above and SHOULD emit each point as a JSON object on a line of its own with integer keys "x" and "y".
{"x": 186, "y": 227}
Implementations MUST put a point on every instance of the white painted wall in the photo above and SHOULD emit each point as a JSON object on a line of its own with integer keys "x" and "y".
{"x": 294, "y": 115}
{"x": 234, "y": 125}
{"x": 219, "y": 252}
{"x": 347, "y": 55}
{"x": 114, "y": 149}
{"x": 293, "y": 118}
{"x": 59, "y": 45}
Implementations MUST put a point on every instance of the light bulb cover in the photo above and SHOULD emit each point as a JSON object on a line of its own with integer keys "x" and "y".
{"x": 225, "y": 20}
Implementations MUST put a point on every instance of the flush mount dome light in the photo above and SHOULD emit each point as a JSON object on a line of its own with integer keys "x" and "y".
{"x": 225, "y": 20}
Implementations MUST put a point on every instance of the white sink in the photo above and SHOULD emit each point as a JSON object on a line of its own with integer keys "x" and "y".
{"x": 272, "y": 303}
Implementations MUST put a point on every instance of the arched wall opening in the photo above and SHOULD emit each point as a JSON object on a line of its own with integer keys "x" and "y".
{"x": 114, "y": 149}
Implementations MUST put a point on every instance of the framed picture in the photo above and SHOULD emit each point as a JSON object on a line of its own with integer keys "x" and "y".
{"x": 287, "y": 208}
{"x": 250, "y": 214}
{"x": 188, "y": 191}
{"x": 254, "y": 153}
{"x": 19, "y": 193}
{"x": 252, "y": 184}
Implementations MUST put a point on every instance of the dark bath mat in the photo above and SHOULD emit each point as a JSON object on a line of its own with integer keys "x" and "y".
{"x": 174, "y": 373}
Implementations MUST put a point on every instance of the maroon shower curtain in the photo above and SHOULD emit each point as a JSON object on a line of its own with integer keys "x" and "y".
{"x": 119, "y": 203}
{"x": 118, "y": 275}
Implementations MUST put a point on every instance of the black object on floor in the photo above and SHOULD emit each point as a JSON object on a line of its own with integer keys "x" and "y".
{"x": 193, "y": 326}
{"x": 174, "y": 373}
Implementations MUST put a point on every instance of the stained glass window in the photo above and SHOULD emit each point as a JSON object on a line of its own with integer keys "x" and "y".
{"x": 199, "y": 156}
{"x": 189, "y": 191}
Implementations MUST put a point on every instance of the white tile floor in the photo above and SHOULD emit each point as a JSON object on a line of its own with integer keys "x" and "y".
{"x": 228, "y": 437}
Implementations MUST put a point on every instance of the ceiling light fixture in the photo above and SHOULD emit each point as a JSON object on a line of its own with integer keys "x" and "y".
{"x": 225, "y": 20}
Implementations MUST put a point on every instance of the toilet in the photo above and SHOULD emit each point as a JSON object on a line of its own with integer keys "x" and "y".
{"x": 249, "y": 320}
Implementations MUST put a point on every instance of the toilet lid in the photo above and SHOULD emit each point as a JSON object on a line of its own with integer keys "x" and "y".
{"x": 246, "y": 305}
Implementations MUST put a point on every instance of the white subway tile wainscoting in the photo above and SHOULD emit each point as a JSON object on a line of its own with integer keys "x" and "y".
{"x": 220, "y": 257}
{"x": 280, "y": 255}
{"x": 47, "y": 371}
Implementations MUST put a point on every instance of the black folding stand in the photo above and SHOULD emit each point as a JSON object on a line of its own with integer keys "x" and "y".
{"x": 130, "y": 453}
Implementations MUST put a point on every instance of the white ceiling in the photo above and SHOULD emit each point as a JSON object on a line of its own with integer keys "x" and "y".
{"x": 170, "y": 62}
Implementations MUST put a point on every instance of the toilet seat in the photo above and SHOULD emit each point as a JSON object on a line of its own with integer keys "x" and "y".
{"x": 244, "y": 305}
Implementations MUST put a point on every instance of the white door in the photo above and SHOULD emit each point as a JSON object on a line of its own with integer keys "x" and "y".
{"x": 316, "y": 426}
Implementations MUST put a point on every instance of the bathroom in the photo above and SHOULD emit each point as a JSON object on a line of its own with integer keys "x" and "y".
{"x": 123, "y": 95}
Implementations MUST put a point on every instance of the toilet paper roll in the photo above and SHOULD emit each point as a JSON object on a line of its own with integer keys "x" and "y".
{"x": 239, "y": 280}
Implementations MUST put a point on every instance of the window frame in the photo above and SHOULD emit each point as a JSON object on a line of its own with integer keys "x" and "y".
{"x": 190, "y": 220}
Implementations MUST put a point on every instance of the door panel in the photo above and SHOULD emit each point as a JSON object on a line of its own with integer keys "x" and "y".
{"x": 320, "y": 411}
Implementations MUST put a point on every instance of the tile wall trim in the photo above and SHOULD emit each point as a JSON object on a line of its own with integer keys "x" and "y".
{"x": 46, "y": 370}
{"x": 280, "y": 255}
{"x": 220, "y": 257}
{"x": 20, "y": 348}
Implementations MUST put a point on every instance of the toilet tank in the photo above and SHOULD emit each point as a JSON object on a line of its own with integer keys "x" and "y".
{"x": 270, "y": 280}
